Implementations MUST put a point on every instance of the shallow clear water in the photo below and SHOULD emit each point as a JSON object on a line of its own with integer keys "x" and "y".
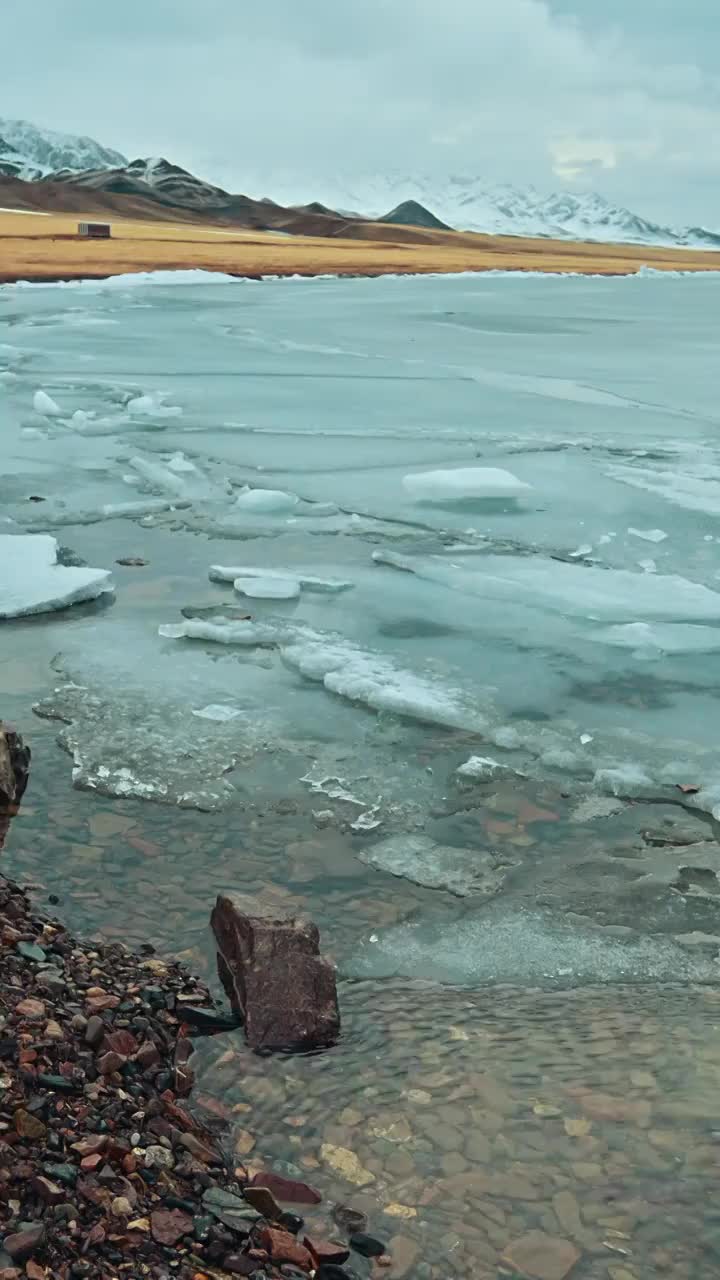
{"x": 569, "y": 633}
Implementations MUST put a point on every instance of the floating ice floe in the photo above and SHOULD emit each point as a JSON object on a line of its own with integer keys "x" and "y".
{"x": 266, "y": 501}
{"x": 181, "y": 477}
{"x": 661, "y": 637}
{"x": 345, "y": 670}
{"x": 32, "y": 580}
{"x": 485, "y": 769}
{"x": 434, "y": 866}
{"x": 46, "y": 406}
{"x": 464, "y": 483}
{"x": 649, "y": 535}
{"x": 153, "y": 406}
{"x": 268, "y": 588}
{"x": 571, "y": 588}
{"x": 308, "y": 582}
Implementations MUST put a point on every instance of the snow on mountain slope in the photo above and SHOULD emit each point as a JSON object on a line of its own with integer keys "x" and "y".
{"x": 42, "y": 151}
{"x": 468, "y": 204}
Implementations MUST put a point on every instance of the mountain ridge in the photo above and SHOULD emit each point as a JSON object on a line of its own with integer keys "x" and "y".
{"x": 462, "y": 202}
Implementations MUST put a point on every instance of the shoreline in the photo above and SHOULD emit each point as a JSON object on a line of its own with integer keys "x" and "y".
{"x": 48, "y": 251}
{"x": 104, "y": 1154}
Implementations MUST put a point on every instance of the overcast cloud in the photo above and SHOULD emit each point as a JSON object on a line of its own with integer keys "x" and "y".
{"x": 619, "y": 96}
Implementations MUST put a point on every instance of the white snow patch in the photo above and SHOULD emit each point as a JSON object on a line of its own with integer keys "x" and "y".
{"x": 32, "y": 581}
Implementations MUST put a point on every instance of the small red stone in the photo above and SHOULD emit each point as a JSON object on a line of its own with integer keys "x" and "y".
{"x": 327, "y": 1251}
{"x": 92, "y": 1162}
{"x": 287, "y": 1189}
{"x": 283, "y": 1247}
{"x": 122, "y": 1042}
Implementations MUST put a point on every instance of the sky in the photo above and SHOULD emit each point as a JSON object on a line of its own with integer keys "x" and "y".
{"x": 617, "y": 96}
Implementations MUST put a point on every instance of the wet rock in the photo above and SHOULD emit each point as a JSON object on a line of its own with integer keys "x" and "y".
{"x": 346, "y": 1163}
{"x": 229, "y": 1209}
{"x": 274, "y": 976}
{"x": 286, "y": 1189}
{"x": 350, "y": 1220}
{"x": 22, "y": 1244}
{"x": 368, "y": 1246}
{"x": 327, "y": 1251}
{"x": 538, "y": 1256}
{"x": 208, "y": 1021}
{"x": 283, "y": 1247}
{"x": 291, "y": 1222}
{"x": 404, "y": 1253}
{"x": 262, "y": 1199}
{"x": 14, "y": 766}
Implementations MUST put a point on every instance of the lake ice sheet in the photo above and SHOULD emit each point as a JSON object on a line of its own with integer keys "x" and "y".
{"x": 507, "y": 597}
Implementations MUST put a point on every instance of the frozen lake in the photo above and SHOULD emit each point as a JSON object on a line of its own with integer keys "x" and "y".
{"x": 397, "y": 602}
{"x": 390, "y": 527}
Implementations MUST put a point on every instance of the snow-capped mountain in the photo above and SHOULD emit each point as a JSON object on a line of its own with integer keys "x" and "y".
{"x": 469, "y": 204}
{"x": 28, "y": 152}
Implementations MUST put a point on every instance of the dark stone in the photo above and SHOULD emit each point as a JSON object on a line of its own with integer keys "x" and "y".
{"x": 329, "y": 1271}
{"x": 94, "y": 1031}
{"x": 60, "y": 1084}
{"x": 8, "y": 1048}
{"x": 263, "y": 1200}
{"x": 24, "y": 1243}
{"x": 207, "y": 1021}
{"x": 292, "y": 1222}
{"x": 274, "y": 976}
{"x": 368, "y": 1246}
{"x": 350, "y": 1220}
{"x": 239, "y": 1264}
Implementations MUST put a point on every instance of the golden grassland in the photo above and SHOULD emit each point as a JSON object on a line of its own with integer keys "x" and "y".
{"x": 36, "y": 247}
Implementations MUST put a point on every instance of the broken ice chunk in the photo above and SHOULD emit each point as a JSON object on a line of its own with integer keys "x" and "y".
{"x": 153, "y": 406}
{"x": 266, "y": 501}
{"x": 435, "y": 866}
{"x": 308, "y": 582}
{"x": 483, "y": 768}
{"x": 268, "y": 588}
{"x": 32, "y": 581}
{"x": 649, "y": 535}
{"x": 463, "y": 483}
{"x": 46, "y": 406}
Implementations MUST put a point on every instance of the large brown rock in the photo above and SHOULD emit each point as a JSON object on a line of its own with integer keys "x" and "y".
{"x": 14, "y": 770}
{"x": 274, "y": 975}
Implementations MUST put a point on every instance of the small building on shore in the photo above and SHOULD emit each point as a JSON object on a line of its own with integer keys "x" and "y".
{"x": 95, "y": 230}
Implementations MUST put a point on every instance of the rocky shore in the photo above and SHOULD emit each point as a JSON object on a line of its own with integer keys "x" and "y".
{"x": 105, "y": 1171}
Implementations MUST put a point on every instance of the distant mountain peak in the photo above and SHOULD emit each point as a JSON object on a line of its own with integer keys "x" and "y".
{"x": 43, "y": 151}
{"x": 413, "y": 214}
